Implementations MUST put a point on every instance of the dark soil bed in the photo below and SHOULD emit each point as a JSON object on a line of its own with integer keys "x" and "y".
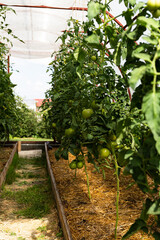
{"x": 95, "y": 219}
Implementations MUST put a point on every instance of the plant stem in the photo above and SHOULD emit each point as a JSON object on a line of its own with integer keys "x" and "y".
{"x": 87, "y": 180}
{"x": 75, "y": 172}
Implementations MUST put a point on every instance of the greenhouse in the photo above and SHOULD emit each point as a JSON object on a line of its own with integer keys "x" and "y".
{"x": 85, "y": 165}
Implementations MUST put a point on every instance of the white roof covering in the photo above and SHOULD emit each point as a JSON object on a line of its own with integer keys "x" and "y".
{"x": 39, "y": 23}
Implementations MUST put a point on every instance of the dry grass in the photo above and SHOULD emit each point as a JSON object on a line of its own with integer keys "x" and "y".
{"x": 95, "y": 219}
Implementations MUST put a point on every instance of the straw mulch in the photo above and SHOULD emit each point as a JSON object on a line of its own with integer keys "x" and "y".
{"x": 95, "y": 219}
{"x": 5, "y": 153}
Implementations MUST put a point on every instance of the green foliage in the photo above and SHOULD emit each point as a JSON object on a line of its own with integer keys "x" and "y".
{"x": 7, "y": 99}
{"x": 77, "y": 81}
{"x": 11, "y": 174}
{"x": 150, "y": 107}
{"x": 25, "y": 124}
{"x": 35, "y": 202}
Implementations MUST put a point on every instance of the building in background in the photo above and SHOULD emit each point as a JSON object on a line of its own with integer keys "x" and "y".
{"x": 34, "y": 104}
{"x": 38, "y": 103}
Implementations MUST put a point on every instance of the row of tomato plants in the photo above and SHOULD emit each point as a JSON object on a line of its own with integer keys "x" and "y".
{"x": 7, "y": 98}
{"x": 91, "y": 109}
{"x": 16, "y": 119}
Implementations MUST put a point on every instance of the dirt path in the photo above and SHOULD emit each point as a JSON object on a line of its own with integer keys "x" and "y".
{"x": 27, "y": 208}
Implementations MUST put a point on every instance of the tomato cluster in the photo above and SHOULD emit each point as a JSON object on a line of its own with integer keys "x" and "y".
{"x": 154, "y": 7}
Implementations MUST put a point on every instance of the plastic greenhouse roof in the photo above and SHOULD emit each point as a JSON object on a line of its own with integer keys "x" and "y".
{"x": 39, "y": 23}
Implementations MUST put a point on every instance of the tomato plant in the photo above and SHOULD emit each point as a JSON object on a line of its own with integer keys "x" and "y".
{"x": 129, "y": 130}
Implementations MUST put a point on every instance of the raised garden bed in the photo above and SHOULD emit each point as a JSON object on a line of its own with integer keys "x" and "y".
{"x": 7, "y": 152}
{"x": 87, "y": 219}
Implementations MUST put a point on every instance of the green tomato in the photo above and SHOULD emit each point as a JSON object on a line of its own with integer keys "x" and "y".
{"x": 156, "y": 14}
{"x": 69, "y": 132}
{"x": 79, "y": 164}
{"x": 54, "y": 125}
{"x": 153, "y": 4}
{"x": 73, "y": 165}
{"x": 86, "y": 113}
{"x": 93, "y": 58}
{"x": 104, "y": 153}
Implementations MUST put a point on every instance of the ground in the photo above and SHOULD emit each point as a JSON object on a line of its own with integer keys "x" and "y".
{"x": 91, "y": 219}
{"x": 16, "y": 224}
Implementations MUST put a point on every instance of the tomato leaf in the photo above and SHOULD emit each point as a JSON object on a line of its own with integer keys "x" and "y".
{"x": 147, "y": 22}
{"x": 146, "y": 206}
{"x": 156, "y": 235}
{"x": 132, "y": 2}
{"x": 143, "y": 56}
{"x": 117, "y": 54}
{"x": 154, "y": 208}
{"x": 76, "y": 54}
{"x": 94, "y": 8}
{"x": 151, "y": 40}
{"x": 94, "y": 39}
{"x": 135, "y": 227}
{"x": 79, "y": 55}
{"x": 136, "y": 33}
{"x": 136, "y": 75}
{"x": 150, "y": 107}
{"x": 78, "y": 71}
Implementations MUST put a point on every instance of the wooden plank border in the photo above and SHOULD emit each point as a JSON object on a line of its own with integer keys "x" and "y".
{"x": 8, "y": 163}
{"x": 64, "y": 224}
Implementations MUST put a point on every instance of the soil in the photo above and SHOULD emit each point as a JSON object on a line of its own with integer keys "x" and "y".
{"x": 95, "y": 219}
{"x": 5, "y": 152}
{"x": 15, "y": 227}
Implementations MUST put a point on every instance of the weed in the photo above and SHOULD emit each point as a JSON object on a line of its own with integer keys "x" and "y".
{"x": 60, "y": 234}
{"x": 11, "y": 174}
{"x": 42, "y": 228}
{"x": 7, "y": 194}
{"x": 42, "y": 237}
{"x": 35, "y": 201}
{"x": 22, "y": 183}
